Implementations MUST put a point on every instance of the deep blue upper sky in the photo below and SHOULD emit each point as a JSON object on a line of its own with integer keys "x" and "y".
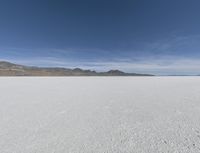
{"x": 153, "y": 36}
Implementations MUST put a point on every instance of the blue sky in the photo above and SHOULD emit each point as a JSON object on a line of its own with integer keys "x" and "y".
{"x": 145, "y": 36}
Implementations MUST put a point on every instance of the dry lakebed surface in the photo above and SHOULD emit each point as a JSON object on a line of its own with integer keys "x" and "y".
{"x": 100, "y": 114}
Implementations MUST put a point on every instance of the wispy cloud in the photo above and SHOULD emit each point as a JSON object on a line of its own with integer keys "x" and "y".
{"x": 159, "y": 66}
{"x": 170, "y": 56}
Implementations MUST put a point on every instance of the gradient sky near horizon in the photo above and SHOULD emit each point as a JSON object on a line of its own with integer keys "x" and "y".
{"x": 144, "y": 36}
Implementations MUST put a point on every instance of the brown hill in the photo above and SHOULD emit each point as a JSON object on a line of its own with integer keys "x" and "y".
{"x": 10, "y": 69}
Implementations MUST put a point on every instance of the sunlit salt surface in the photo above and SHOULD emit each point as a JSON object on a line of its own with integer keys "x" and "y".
{"x": 100, "y": 114}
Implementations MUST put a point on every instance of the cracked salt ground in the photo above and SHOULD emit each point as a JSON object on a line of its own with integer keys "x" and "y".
{"x": 100, "y": 114}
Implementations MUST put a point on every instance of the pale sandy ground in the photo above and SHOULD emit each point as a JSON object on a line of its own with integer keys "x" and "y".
{"x": 100, "y": 115}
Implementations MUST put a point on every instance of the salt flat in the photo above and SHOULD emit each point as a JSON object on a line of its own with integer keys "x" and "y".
{"x": 99, "y": 114}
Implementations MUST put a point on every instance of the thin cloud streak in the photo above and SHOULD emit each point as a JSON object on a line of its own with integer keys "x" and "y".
{"x": 166, "y": 57}
{"x": 162, "y": 66}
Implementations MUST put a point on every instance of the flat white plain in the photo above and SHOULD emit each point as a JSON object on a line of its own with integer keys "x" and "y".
{"x": 99, "y": 114}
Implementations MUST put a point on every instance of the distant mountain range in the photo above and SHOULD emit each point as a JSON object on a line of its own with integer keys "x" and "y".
{"x": 10, "y": 69}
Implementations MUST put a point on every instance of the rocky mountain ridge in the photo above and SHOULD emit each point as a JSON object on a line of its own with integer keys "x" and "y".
{"x": 10, "y": 69}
